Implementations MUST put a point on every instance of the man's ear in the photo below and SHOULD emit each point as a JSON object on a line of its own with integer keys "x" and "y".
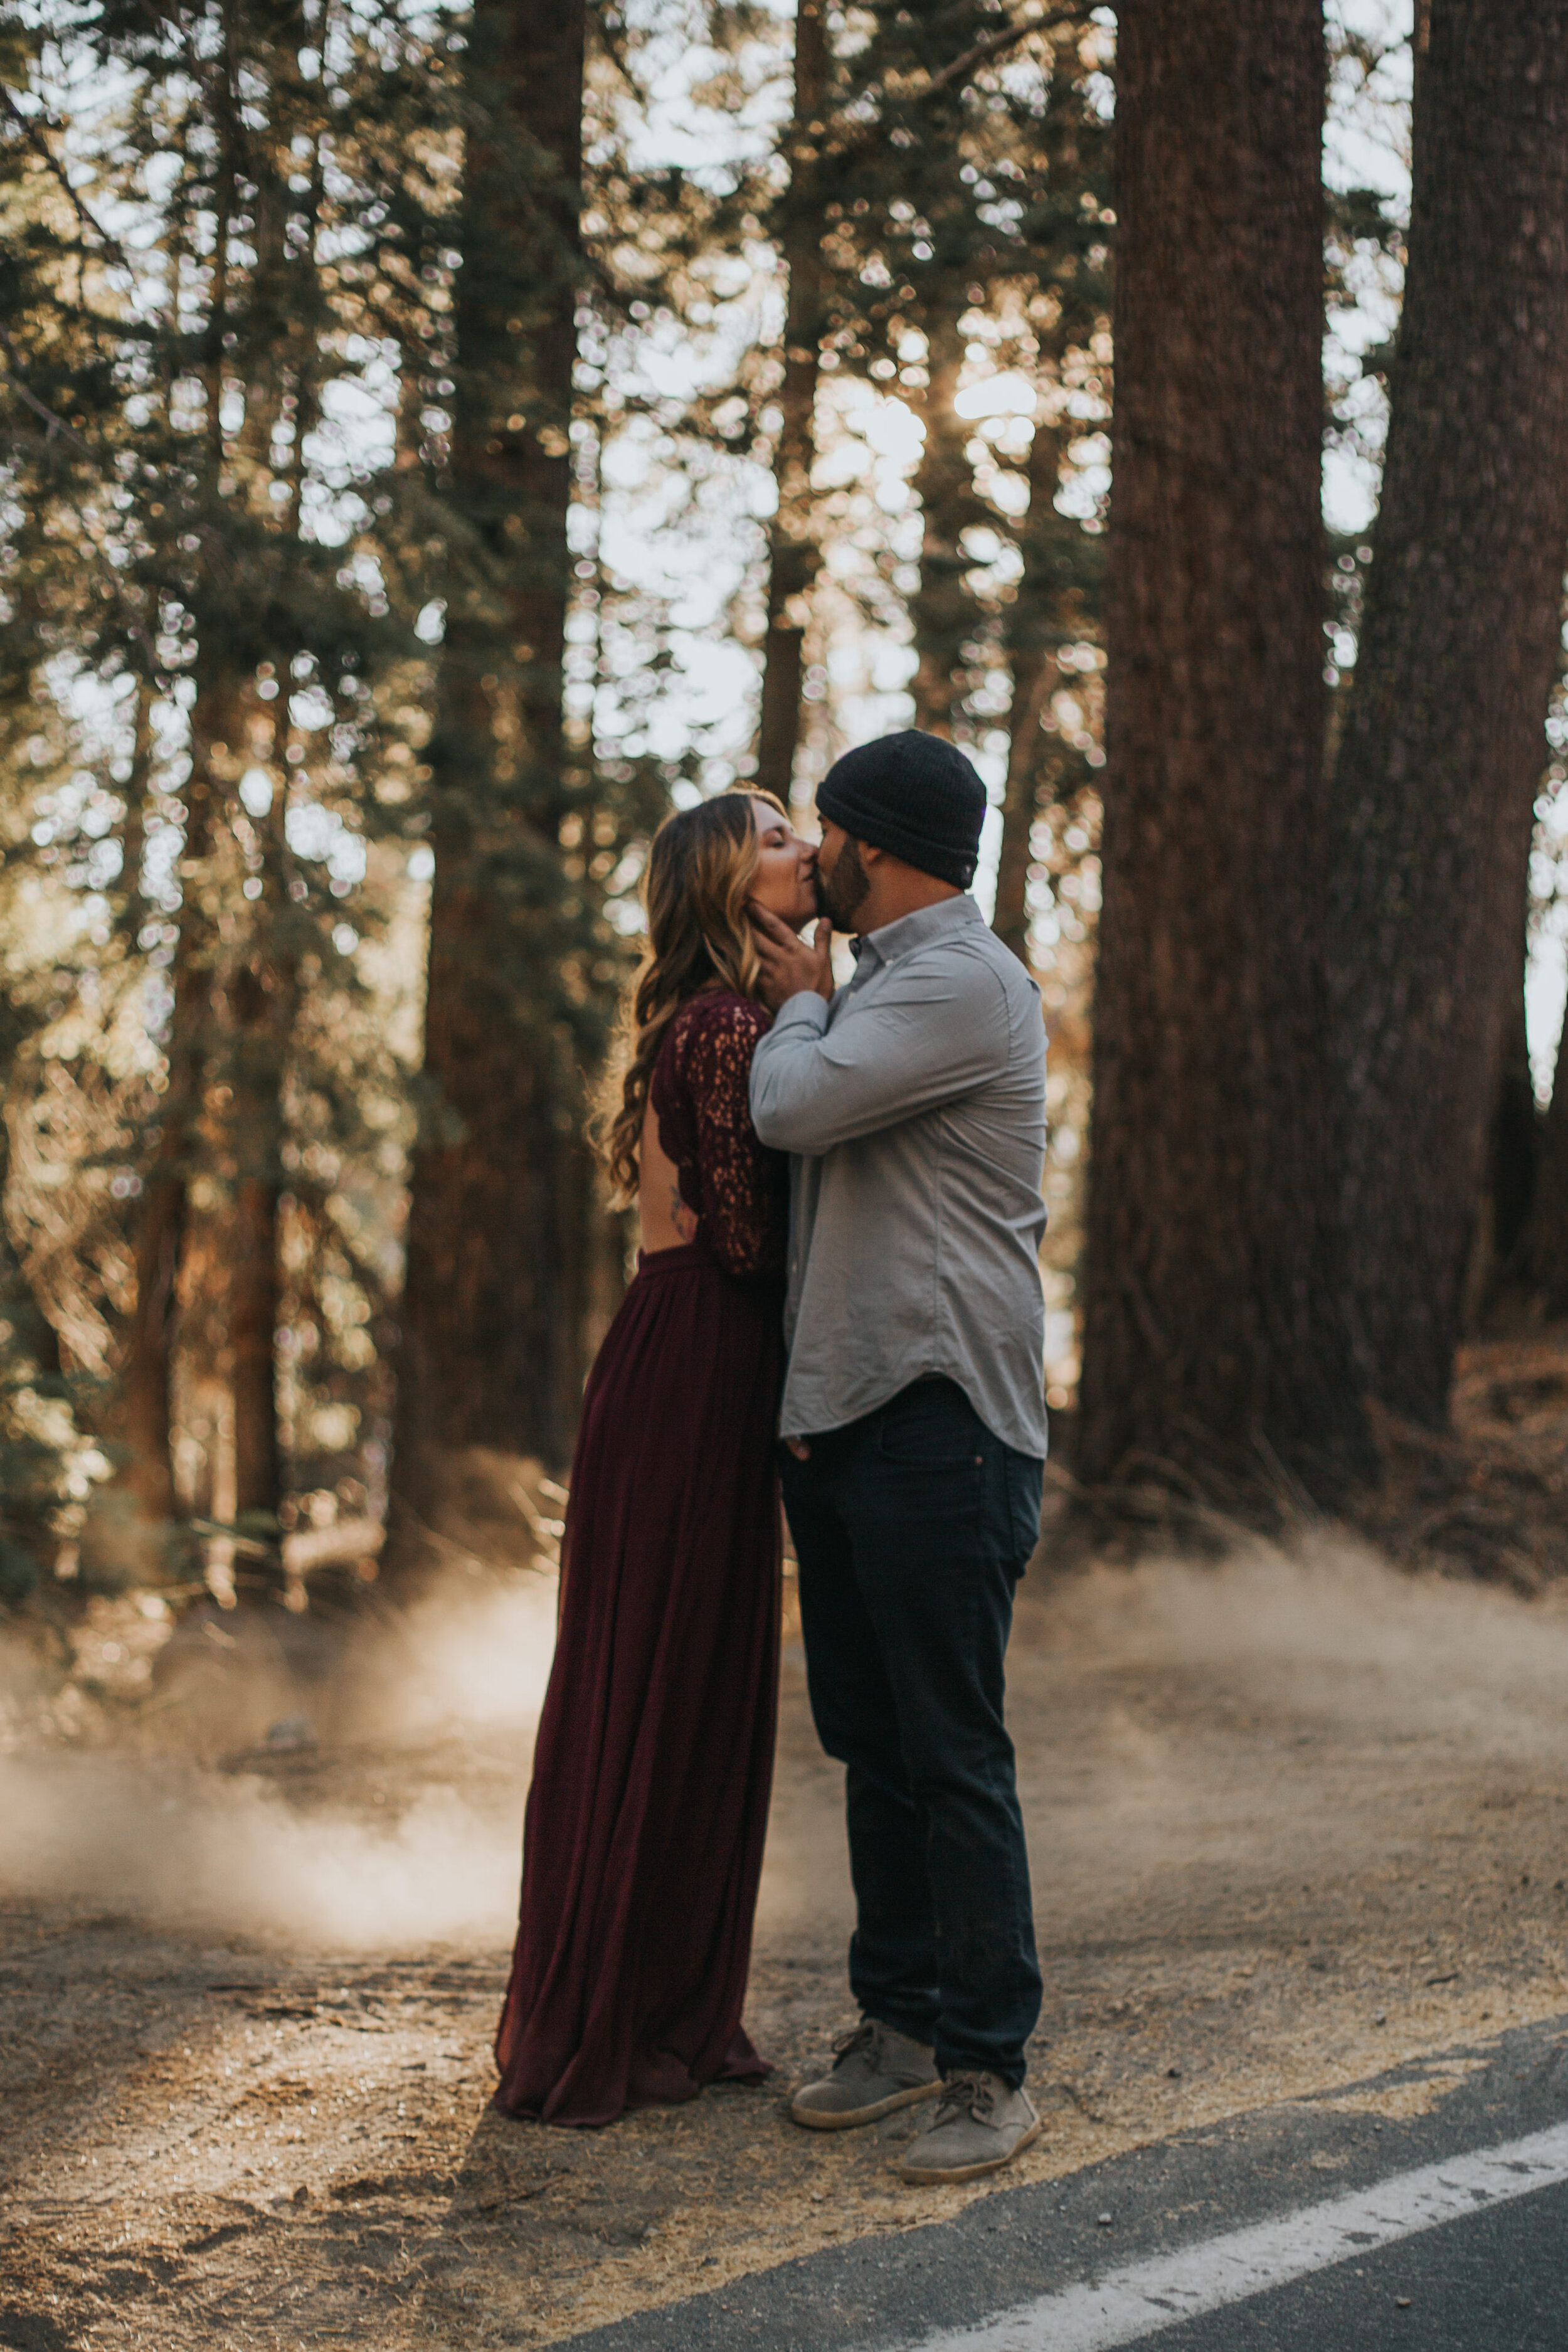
{"x": 870, "y": 853}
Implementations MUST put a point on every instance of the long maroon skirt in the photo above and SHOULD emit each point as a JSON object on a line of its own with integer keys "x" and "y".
{"x": 643, "y": 1838}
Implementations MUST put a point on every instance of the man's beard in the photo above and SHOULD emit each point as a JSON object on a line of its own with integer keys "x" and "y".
{"x": 842, "y": 892}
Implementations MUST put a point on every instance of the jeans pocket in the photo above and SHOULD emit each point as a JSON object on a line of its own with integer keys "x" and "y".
{"x": 1026, "y": 1493}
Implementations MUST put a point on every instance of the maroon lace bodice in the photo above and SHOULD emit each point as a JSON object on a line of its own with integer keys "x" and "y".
{"x": 700, "y": 1093}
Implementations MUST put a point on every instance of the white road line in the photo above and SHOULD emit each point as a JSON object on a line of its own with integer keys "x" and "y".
{"x": 1145, "y": 2296}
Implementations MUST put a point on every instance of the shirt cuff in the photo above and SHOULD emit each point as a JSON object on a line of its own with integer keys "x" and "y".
{"x": 805, "y": 1009}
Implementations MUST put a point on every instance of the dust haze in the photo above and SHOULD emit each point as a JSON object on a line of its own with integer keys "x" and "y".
{"x": 218, "y": 1818}
{"x": 384, "y": 1813}
{"x": 1332, "y": 1629}
{"x": 1299, "y": 1827}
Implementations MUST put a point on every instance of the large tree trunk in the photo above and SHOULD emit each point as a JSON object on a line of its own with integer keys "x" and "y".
{"x": 491, "y": 1317}
{"x": 148, "y": 1374}
{"x": 145, "y": 1381}
{"x": 252, "y": 1327}
{"x": 261, "y": 995}
{"x": 1443, "y": 748}
{"x": 261, "y": 990}
{"x": 793, "y": 556}
{"x": 1049, "y": 609}
{"x": 941, "y": 610}
{"x": 1211, "y": 1338}
{"x": 1034, "y": 633}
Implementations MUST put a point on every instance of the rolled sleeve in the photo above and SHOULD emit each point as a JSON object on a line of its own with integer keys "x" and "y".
{"x": 931, "y": 1035}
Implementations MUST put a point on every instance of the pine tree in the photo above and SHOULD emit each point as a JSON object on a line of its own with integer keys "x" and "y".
{"x": 944, "y": 615}
{"x": 1062, "y": 157}
{"x": 493, "y": 1304}
{"x": 794, "y": 554}
{"x": 1014, "y": 235}
{"x": 239, "y": 580}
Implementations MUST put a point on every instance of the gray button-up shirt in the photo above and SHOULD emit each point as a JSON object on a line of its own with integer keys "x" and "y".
{"x": 915, "y": 1106}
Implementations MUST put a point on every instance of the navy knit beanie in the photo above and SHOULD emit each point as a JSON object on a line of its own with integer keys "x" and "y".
{"x": 913, "y": 795}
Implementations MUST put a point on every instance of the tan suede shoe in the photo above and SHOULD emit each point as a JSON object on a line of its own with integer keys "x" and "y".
{"x": 979, "y": 2126}
{"x": 874, "y": 2071}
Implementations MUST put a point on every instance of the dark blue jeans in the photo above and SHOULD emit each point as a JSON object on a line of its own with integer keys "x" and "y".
{"x": 912, "y": 1526}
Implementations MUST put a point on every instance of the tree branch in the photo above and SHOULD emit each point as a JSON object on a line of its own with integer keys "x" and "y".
{"x": 994, "y": 43}
{"x": 862, "y": 132}
{"x": 33, "y": 131}
{"x": 57, "y": 428}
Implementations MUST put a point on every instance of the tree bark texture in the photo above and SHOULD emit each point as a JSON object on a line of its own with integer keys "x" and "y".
{"x": 1211, "y": 1341}
{"x": 793, "y": 556}
{"x": 490, "y": 1346}
{"x": 1443, "y": 749}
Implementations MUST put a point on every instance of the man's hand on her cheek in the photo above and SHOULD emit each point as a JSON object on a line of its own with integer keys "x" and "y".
{"x": 792, "y": 966}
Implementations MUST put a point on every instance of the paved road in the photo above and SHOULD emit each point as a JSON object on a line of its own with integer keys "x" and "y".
{"x": 1027, "y": 2270}
{"x": 1497, "y": 2282}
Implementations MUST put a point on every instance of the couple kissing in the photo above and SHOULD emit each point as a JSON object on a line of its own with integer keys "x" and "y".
{"x": 838, "y": 1293}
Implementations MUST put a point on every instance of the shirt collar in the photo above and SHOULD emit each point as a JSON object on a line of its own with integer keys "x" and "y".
{"x": 886, "y": 945}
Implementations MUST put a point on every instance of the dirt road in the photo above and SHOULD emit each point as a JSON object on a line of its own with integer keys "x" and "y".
{"x": 1295, "y": 1825}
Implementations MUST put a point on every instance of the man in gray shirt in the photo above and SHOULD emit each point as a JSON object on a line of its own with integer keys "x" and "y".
{"x": 914, "y": 1429}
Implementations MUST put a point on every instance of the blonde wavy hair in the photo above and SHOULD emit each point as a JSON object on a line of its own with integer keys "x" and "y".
{"x": 700, "y": 872}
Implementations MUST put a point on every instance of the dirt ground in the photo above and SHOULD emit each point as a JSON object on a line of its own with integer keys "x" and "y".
{"x": 1297, "y": 1823}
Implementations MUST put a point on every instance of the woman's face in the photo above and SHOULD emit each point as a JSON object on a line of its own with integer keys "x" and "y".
{"x": 785, "y": 880}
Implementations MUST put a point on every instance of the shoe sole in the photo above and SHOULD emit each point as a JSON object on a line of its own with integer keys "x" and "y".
{"x": 927, "y": 2176}
{"x": 849, "y": 2118}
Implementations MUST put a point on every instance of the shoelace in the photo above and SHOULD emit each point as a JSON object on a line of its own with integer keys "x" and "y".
{"x": 860, "y": 2037}
{"x": 964, "y": 2094}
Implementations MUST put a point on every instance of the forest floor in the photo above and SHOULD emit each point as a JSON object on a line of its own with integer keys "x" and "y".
{"x": 1299, "y": 1830}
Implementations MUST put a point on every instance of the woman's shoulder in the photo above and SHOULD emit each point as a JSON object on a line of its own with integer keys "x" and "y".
{"x": 720, "y": 1012}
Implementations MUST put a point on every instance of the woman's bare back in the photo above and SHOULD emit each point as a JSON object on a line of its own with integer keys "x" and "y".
{"x": 666, "y": 1221}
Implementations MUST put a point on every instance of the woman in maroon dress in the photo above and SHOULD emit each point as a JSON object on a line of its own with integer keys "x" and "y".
{"x": 643, "y": 1841}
